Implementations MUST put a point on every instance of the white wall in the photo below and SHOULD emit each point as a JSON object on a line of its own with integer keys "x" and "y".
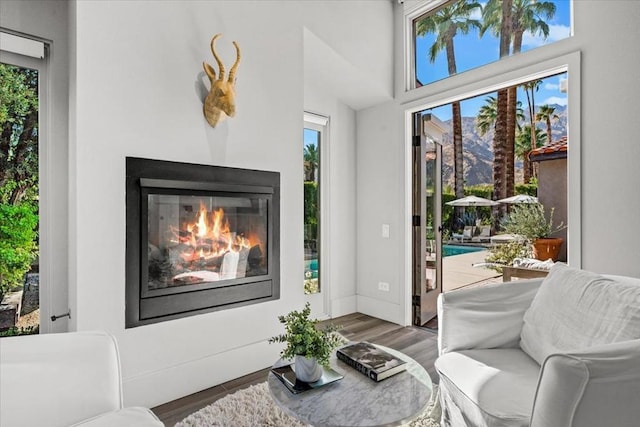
{"x": 609, "y": 174}
{"x": 339, "y": 202}
{"x": 138, "y": 69}
{"x": 380, "y": 196}
{"x": 48, "y": 21}
{"x": 610, "y": 152}
{"x": 348, "y": 49}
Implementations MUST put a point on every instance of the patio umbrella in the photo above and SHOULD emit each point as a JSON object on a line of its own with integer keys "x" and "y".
{"x": 472, "y": 201}
{"x": 519, "y": 198}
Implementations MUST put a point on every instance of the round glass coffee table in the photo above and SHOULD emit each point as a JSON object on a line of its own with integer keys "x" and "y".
{"x": 356, "y": 400}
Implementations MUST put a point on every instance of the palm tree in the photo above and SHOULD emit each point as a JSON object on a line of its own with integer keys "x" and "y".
{"x": 525, "y": 15}
{"x": 488, "y": 113}
{"x": 310, "y": 162}
{"x": 529, "y": 89}
{"x": 498, "y": 19}
{"x": 545, "y": 114}
{"x": 509, "y": 19}
{"x": 446, "y": 23}
{"x": 524, "y": 145}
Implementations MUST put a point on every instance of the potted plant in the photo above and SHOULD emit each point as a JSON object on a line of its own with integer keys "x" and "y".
{"x": 308, "y": 345}
{"x": 528, "y": 220}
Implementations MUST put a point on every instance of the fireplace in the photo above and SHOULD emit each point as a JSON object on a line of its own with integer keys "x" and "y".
{"x": 199, "y": 238}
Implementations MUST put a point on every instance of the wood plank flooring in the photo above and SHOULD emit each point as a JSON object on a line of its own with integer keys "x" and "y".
{"x": 418, "y": 343}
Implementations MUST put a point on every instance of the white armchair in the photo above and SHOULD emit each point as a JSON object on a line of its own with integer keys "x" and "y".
{"x": 565, "y": 352}
{"x": 65, "y": 379}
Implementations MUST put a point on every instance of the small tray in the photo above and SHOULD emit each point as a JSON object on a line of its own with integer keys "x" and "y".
{"x": 286, "y": 374}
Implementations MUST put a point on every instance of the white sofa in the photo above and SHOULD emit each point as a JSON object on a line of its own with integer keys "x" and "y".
{"x": 554, "y": 352}
{"x": 65, "y": 379}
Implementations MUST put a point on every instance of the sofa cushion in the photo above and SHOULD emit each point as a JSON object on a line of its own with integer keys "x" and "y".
{"x": 68, "y": 377}
{"x": 494, "y": 387}
{"x": 576, "y": 309}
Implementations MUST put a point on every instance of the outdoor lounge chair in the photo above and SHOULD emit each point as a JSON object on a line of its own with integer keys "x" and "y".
{"x": 467, "y": 233}
{"x": 484, "y": 236}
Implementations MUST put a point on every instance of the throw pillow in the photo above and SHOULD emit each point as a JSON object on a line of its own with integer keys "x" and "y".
{"x": 576, "y": 309}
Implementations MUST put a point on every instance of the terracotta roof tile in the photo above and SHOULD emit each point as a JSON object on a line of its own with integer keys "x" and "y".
{"x": 555, "y": 147}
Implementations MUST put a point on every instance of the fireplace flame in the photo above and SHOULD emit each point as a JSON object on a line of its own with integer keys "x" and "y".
{"x": 202, "y": 225}
{"x": 210, "y": 236}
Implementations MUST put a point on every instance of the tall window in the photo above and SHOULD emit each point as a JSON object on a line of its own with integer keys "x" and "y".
{"x": 313, "y": 135}
{"x": 20, "y": 195}
{"x": 465, "y": 34}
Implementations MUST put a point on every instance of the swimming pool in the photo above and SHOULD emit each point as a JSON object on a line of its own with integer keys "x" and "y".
{"x": 451, "y": 250}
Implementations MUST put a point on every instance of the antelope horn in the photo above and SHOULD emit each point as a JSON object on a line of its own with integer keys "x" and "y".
{"x": 215, "y": 55}
{"x": 232, "y": 71}
{"x": 210, "y": 71}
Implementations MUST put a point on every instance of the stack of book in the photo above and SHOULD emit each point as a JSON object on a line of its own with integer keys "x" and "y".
{"x": 371, "y": 361}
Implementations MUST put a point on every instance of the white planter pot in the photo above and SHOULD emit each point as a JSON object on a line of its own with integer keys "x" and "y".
{"x": 307, "y": 369}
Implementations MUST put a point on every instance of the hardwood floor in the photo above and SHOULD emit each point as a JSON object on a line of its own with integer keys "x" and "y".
{"x": 418, "y": 343}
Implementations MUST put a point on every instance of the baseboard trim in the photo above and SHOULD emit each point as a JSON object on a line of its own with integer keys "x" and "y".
{"x": 384, "y": 310}
{"x": 343, "y": 306}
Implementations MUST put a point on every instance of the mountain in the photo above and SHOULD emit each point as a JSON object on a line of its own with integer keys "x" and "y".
{"x": 478, "y": 149}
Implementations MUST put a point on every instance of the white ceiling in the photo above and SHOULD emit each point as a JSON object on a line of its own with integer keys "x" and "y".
{"x": 326, "y": 68}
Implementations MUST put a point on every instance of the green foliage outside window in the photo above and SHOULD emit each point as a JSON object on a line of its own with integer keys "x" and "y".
{"x": 529, "y": 220}
{"x": 310, "y": 210}
{"x": 18, "y": 134}
{"x": 17, "y": 244}
{"x": 503, "y": 254}
{"x": 15, "y": 331}
{"x": 484, "y": 214}
{"x": 18, "y": 174}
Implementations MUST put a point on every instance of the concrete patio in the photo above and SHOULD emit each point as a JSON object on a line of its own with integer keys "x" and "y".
{"x": 458, "y": 271}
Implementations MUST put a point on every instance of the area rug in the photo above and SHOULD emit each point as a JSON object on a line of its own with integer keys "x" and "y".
{"x": 254, "y": 407}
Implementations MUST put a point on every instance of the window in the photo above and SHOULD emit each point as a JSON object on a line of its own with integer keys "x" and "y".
{"x": 22, "y": 196}
{"x": 551, "y": 75}
{"x": 465, "y": 34}
{"x": 313, "y": 139}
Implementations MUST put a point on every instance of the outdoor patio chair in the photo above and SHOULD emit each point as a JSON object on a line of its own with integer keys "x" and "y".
{"x": 467, "y": 233}
{"x": 484, "y": 236}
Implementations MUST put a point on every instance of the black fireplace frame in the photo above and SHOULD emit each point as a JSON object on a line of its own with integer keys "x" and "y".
{"x": 146, "y": 175}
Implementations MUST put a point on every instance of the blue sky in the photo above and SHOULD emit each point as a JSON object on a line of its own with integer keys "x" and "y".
{"x": 548, "y": 93}
{"x": 471, "y": 52}
{"x": 310, "y": 137}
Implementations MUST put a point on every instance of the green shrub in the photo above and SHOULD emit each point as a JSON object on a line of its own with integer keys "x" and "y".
{"x": 311, "y": 210}
{"x": 503, "y": 254}
{"x": 15, "y": 331}
{"x": 529, "y": 220}
{"x": 17, "y": 244}
{"x": 530, "y": 189}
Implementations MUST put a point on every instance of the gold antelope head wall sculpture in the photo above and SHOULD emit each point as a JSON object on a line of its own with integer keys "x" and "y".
{"x": 222, "y": 95}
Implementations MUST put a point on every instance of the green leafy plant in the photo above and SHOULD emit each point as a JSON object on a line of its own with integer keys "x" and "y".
{"x": 19, "y": 130}
{"x": 528, "y": 220}
{"x": 17, "y": 244}
{"x": 311, "y": 210}
{"x": 502, "y": 255}
{"x": 14, "y": 331}
{"x": 304, "y": 338}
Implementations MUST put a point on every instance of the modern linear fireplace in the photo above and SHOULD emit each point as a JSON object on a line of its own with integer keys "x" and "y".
{"x": 199, "y": 238}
